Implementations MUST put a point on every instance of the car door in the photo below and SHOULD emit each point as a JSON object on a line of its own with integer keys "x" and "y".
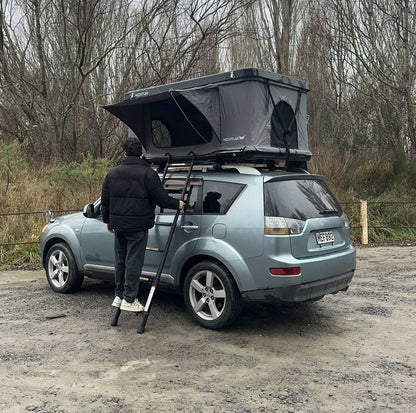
{"x": 186, "y": 233}
{"x": 97, "y": 244}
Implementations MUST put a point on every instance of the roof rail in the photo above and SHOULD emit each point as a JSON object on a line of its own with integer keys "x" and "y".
{"x": 241, "y": 169}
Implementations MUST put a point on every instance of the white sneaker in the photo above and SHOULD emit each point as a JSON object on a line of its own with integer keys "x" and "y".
{"x": 117, "y": 302}
{"x": 135, "y": 306}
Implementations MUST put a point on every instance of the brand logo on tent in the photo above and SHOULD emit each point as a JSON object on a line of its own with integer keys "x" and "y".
{"x": 234, "y": 138}
{"x": 136, "y": 95}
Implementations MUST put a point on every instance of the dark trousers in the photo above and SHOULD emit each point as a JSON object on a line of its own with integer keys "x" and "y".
{"x": 129, "y": 248}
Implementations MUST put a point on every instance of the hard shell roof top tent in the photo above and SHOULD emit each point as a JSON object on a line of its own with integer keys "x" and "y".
{"x": 246, "y": 115}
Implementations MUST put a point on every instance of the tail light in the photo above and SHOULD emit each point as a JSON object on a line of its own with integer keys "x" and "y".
{"x": 345, "y": 219}
{"x": 282, "y": 226}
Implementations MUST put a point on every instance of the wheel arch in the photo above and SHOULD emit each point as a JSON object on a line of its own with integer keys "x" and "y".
{"x": 57, "y": 240}
{"x": 201, "y": 301}
{"x": 226, "y": 256}
{"x": 197, "y": 259}
{"x": 62, "y": 271}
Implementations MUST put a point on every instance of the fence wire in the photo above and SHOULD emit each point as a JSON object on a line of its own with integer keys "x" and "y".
{"x": 33, "y": 213}
{"x": 381, "y": 218}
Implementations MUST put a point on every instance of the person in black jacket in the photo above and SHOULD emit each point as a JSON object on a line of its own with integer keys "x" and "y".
{"x": 129, "y": 194}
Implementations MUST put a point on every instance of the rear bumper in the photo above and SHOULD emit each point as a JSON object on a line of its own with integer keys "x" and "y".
{"x": 302, "y": 292}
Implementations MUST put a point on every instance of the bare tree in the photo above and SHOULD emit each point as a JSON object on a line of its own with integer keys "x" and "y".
{"x": 47, "y": 65}
{"x": 62, "y": 59}
{"x": 379, "y": 39}
{"x": 268, "y": 35}
{"x": 185, "y": 38}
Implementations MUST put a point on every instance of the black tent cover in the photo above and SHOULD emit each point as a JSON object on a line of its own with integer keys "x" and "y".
{"x": 241, "y": 115}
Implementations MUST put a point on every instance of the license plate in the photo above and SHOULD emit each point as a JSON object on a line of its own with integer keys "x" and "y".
{"x": 324, "y": 237}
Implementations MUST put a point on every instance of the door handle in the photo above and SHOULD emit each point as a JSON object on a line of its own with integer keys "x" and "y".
{"x": 189, "y": 227}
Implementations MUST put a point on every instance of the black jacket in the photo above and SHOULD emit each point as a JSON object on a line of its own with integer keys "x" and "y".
{"x": 130, "y": 192}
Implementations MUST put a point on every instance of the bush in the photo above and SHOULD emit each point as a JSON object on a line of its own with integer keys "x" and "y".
{"x": 82, "y": 180}
{"x": 12, "y": 168}
{"x": 371, "y": 180}
{"x": 62, "y": 187}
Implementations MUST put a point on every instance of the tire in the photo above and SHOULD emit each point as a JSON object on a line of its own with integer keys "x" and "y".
{"x": 211, "y": 295}
{"x": 311, "y": 300}
{"x": 61, "y": 269}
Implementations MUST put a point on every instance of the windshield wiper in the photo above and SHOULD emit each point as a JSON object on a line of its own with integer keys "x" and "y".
{"x": 329, "y": 212}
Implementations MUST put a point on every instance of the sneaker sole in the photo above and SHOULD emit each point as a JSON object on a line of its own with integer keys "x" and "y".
{"x": 116, "y": 304}
{"x": 132, "y": 310}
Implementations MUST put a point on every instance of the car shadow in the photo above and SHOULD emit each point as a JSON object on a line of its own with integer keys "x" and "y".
{"x": 287, "y": 318}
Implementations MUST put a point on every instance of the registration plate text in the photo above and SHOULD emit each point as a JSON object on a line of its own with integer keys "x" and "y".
{"x": 324, "y": 237}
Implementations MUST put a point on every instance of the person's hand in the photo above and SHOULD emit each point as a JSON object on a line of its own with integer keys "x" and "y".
{"x": 109, "y": 229}
{"x": 181, "y": 204}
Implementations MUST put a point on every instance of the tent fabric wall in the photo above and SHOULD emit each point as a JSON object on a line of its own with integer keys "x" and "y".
{"x": 238, "y": 112}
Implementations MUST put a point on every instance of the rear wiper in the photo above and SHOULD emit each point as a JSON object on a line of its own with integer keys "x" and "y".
{"x": 329, "y": 212}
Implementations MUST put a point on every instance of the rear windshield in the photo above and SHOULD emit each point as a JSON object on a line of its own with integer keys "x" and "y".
{"x": 299, "y": 199}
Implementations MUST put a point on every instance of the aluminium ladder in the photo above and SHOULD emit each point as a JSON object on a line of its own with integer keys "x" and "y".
{"x": 165, "y": 252}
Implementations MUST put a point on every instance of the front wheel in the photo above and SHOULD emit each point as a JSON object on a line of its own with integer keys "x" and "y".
{"x": 211, "y": 295}
{"x": 61, "y": 269}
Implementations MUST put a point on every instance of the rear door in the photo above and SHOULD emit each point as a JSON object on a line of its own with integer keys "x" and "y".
{"x": 309, "y": 201}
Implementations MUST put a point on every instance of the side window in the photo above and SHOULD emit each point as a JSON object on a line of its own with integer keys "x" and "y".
{"x": 192, "y": 196}
{"x": 219, "y": 196}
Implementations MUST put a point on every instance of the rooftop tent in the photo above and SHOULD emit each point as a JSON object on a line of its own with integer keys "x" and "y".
{"x": 243, "y": 114}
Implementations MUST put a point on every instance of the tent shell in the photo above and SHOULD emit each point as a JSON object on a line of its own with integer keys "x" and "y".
{"x": 246, "y": 115}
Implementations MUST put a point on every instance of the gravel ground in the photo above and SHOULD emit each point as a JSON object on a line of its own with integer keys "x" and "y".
{"x": 350, "y": 352}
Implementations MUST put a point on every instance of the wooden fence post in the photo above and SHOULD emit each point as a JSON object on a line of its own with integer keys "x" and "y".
{"x": 364, "y": 222}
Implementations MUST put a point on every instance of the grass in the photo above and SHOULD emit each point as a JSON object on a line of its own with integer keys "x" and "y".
{"x": 388, "y": 221}
{"x": 26, "y": 188}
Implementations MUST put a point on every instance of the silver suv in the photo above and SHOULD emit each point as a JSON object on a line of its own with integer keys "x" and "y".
{"x": 246, "y": 235}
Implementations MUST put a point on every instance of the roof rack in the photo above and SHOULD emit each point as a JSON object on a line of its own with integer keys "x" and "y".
{"x": 238, "y": 161}
{"x": 228, "y": 156}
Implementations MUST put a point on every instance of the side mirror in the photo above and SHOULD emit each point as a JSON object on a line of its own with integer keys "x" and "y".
{"x": 88, "y": 211}
{"x": 48, "y": 214}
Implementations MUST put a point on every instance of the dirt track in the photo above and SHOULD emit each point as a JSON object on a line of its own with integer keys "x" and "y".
{"x": 351, "y": 352}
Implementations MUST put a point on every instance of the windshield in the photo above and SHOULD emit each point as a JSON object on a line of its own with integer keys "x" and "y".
{"x": 299, "y": 199}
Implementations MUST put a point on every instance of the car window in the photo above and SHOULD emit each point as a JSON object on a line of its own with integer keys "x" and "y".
{"x": 299, "y": 199}
{"x": 219, "y": 196}
{"x": 192, "y": 196}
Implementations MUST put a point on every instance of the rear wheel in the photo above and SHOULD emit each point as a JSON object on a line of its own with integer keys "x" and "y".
{"x": 61, "y": 270}
{"x": 211, "y": 295}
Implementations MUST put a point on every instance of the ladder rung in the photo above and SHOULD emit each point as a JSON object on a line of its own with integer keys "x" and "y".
{"x": 164, "y": 224}
{"x": 181, "y": 164}
{"x": 153, "y": 249}
{"x": 177, "y": 191}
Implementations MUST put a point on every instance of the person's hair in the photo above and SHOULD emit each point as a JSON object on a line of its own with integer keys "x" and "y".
{"x": 132, "y": 147}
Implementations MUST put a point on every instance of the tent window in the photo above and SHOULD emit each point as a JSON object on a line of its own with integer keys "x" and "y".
{"x": 171, "y": 129}
{"x": 283, "y": 123}
{"x": 160, "y": 134}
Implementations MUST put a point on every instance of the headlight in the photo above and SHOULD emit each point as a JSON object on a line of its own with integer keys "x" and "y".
{"x": 282, "y": 226}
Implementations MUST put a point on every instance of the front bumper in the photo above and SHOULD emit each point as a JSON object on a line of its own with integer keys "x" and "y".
{"x": 301, "y": 292}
